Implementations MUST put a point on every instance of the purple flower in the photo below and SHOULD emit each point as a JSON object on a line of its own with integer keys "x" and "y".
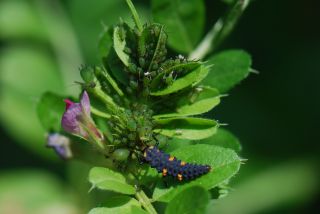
{"x": 60, "y": 144}
{"x": 77, "y": 119}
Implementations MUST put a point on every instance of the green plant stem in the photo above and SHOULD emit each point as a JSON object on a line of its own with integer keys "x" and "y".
{"x": 99, "y": 113}
{"x": 220, "y": 30}
{"x": 135, "y": 15}
{"x": 145, "y": 201}
{"x": 107, "y": 100}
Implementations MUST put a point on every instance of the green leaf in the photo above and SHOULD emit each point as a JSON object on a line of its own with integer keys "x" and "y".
{"x": 119, "y": 43}
{"x": 113, "y": 63}
{"x": 50, "y": 110}
{"x": 224, "y": 162}
{"x": 200, "y": 100}
{"x": 105, "y": 42}
{"x": 223, "y": 138}
{"x": 29, "y": 191}
{"x": 186, "y": 202}
{"x": 181, "y": 69}
{"x": 186, "y": 127}
{"x": 135, "y": 15}
{"x": 289, "y": 183}
{"x": 119, "y": 204}
{"x": 189, "y": 79}
{"x": 229, "y": 68}
{"x": 25, "y": 75}
{"x": 183, "y": 17}
{"x": 106, "y": 179}
{"x": 176, "y": 143}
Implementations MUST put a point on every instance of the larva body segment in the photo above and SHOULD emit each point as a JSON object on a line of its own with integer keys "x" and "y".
{"x": 171, "y": 166}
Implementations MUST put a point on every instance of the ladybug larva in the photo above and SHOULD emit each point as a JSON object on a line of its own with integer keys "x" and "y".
{"x": 171, "y": 166}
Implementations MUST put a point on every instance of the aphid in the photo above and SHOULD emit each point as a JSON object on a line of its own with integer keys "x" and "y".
{"x": 171, "y": 166}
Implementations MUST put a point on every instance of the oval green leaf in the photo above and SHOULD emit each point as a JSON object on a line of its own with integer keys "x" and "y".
{"x": 199, "y": 101}
{"x": 223, "y": 138}
{"x": 224, "y": 162}
{"x": 184, "y": 69}
{"x": 186, "y": 127}
{"x": 188, "y": 80}
{"x": 186, "y": 202}
{"x": 119, "y": 44}
{"x": 106, "y": 179}
{"x": 183, "y": 17}
{"x": 119, "y": 204}
{"x": 229, "y": 68}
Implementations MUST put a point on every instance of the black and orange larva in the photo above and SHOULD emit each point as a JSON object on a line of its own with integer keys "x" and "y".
{"x": 171, "y": 166}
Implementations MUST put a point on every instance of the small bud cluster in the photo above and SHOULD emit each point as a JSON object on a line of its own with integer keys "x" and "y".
{"x": 133, "y": 127}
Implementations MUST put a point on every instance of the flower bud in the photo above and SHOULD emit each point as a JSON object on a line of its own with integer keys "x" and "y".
{"x": 60, "y": 144}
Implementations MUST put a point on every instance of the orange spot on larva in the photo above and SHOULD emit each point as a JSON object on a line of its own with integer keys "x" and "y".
{"x": 171, "y": 158}
{"x": 182, "y": 163}
{"x": 164, "y": 172}
{"x": 179, "y": 177}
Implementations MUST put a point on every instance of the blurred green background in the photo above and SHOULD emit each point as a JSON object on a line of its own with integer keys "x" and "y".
{"x": 274, "y": 114}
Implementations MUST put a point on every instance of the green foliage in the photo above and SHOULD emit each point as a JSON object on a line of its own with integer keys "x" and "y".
{"x": 186, "y": 127}
{"x": 182, "y": 82}
{"x": 200, "y": 100}
{"x": 119, "y": 204}
{"x": 191, "y": 200}
{"x": 152, "y": 34}
{"x": 106, "y": 179}
{"x": 49, "y": 109}
{"x": 184, "y": 20}
{"x": 136, "y": 75}
{"x": 223, "y": 138}
{"x": 229, "y": 68}
{"x": 225, "y": 163}
{"x": 119, "y": 42}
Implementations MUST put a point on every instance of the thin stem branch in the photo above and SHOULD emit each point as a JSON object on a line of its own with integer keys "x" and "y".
{"x": 220, "y": 30}
{"x": 99, "y": 113}
{"x": 145, "y": 201}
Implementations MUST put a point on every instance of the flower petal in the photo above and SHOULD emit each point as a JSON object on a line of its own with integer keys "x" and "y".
{"x": 68, "y": 103}
{"x": 60, "y": 144}
{"x": 70, "y": 119}
{"x": 85, "y": 102}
